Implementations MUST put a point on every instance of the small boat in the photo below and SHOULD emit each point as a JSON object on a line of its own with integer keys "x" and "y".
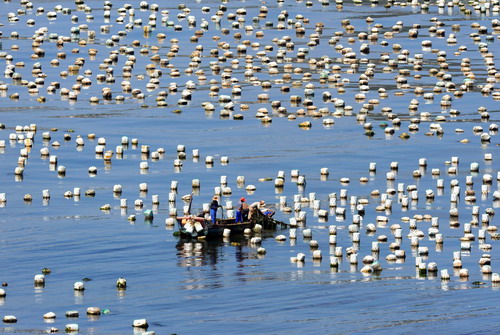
{"x": 198, "y": 227}
{"x": 195, "y": 227}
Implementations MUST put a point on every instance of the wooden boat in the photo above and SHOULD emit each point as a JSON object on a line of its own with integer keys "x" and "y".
{"x": 199, "y": 227}
{"x": 194, "y": 227}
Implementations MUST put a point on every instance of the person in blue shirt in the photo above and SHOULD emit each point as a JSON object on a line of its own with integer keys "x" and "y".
{"x": 214, "y": 206}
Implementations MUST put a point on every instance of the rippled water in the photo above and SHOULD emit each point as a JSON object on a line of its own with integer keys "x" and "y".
{"x": 225, "y": 286}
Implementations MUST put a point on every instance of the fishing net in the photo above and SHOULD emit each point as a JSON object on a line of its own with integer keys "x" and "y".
{"x": 265, "y": 221}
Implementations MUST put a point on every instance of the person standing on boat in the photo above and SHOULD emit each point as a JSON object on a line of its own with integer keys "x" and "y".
{"x": 260, "y": 206}
{"x": 253, "y": 207}
{"x": 214, "y": 206}
{"x": 242, "y": 212}
{"x": 265, "y": 210}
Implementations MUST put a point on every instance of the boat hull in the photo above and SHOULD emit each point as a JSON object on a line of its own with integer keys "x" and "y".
{"x": 209, "y": 230}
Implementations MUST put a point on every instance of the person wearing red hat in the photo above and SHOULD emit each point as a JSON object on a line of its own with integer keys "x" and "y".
{"x": 242, "y": 211}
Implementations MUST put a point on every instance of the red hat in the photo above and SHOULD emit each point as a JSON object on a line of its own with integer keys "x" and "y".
{"x": 242, "y": 199}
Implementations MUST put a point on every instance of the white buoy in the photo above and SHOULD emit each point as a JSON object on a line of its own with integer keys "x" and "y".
{"x": 61, "y": 170}
{"x": 297, "y": 206}
{"x": 173, "y": 185}
{"x": 366, "y": 269}
{"x": 353, "y": 258}
{"x": 356, "y": 237}
{"x": 9, "y": 319}
{"x": 301, "y": 257}
{"x": 391, "y": 258}
{"x": 371, "y": 228}
{"x": 99, "y": 149}
{"x": 140, "y": 323}
{"x": 474, "y": 167}
{"x": 465, "y": 246}
{"x": 307, "y": 233}
{"x": 423, "y": 251}
{"x": 18, "y": 171}
{"x": 45, "y": 194}
{"x": 121, "y": 283}
{"x": 39, "y": 279}
{"x": 92, "y": 170}
{"x": 256, "y": 240}
{"x": 322, "y": 213}
{"x": 280, "y": 238}
{"x": 78, "y": 286}
{"x": 206, "y": 207}
{"x": 317, "y": 255}
{"x": 495, "y": 278}
{"x": 457, "y": 264}
{"x": 195, "y": 183}
{"x": 49, "y": 315}
{"x": 343, "y": 193}
{"x": 486, "y": 269}
{"x": 123, "y": 203}
{"x": 278, "y": 182}
{"x": 93, "y": 311}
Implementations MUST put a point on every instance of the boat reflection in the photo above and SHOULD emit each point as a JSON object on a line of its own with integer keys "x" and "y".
{"x": 203, "y": 261}
{"x": 193, "y": 253}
